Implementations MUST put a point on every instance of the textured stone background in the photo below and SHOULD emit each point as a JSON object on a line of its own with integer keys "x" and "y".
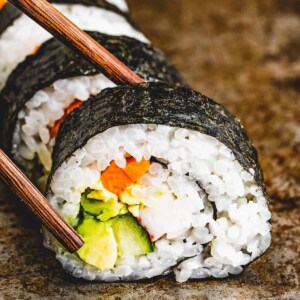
{"x": 245, "y": 55}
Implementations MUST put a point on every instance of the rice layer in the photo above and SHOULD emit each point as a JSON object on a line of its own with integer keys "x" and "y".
{"x": 200, "y": 171}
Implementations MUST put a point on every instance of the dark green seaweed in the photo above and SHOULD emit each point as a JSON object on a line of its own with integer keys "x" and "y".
{"x": 54, "y": 61}
{"x": 7, "y": 16}
{"x": 154, "y": 103}
{"x": 9, "y": 13}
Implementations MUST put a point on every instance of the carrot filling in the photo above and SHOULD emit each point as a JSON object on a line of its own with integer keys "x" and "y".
{"x": 116, "y": 179}
{"x": 2, "y": 3}
{"x": 54, "y": 130}
{"x": 135, "y": 170}
{"x": 36, "y": 48}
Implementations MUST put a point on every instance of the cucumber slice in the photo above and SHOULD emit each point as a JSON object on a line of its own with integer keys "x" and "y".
{"x": 131, "y": 237}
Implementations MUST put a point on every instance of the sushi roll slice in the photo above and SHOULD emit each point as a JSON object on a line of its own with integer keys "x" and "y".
{"x": 157, "y": 179}
{"x": 47, "y": 86}
{"x": 20, "y": 36}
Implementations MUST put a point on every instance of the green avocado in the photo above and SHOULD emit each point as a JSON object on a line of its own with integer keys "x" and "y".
{"x": 117, "y": 234}
{"x": 100, "y": 247}
{"x": 131, "y": 237}
{"x": 103, "y": 210}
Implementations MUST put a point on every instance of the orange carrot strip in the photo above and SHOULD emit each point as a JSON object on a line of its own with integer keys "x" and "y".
{"x": 114, "y": 179}
{"x": 54, "y": 130}
{"x": 36, "y": 48}
{"x": 2, "y": 3}
{"x": 135, "y": 170}
{"x": 75, "y": 104}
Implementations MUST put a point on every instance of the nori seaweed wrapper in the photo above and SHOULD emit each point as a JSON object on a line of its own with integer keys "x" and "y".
{"x": 154, "y": 103}
{"x": 54, "y": 61}
{"x": 9, "y": 13}
{"x": 7, "y": 16}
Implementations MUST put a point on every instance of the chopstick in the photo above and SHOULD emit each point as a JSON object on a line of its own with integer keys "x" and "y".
{"x": 72, "y": 36}
{"x": 38, "y": 204}
{"x": 67, "y": 32}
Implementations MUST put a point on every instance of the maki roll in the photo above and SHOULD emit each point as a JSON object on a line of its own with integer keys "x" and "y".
{"x": 47, "y": 86}
{"x": 157, "y": 179}
{"x": 20, "y": 36}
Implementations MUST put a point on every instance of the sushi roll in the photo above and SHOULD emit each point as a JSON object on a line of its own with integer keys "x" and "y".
{"x": 157, "y": 179}
{"x": 47, "y": 86}
{"x": 20, "y": 36}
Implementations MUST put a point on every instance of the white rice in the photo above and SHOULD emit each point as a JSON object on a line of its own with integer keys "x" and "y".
{"x": 218, "y": 248}
{"x": 21, "y": 38}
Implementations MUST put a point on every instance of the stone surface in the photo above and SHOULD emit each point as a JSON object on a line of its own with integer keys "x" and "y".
{"x": 245, "y": 55}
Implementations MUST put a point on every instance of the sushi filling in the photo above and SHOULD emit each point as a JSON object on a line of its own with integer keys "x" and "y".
{"x": 159, "y": 185}
{"x": 131, "y": 203}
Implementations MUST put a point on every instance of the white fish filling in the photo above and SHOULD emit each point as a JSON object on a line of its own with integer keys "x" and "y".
{"x": 21, "y": 38}
{"x": 185, "y": 226}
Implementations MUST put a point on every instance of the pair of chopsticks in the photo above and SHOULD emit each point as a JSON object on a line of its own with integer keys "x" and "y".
{"x": 68, "y": 33}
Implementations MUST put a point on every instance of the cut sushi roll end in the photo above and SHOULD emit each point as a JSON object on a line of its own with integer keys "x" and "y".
{"x": 173, "y": 192}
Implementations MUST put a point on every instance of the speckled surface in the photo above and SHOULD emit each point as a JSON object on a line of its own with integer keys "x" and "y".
{"x": 245, "y": 55}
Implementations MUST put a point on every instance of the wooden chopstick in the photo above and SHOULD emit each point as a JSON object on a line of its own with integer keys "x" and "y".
{"x": 67, "y": 32}
{"x": 38, "y": 204}
{"x": 72, "y": 36}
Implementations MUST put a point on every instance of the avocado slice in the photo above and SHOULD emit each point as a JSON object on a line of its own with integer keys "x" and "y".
{"x": 103, "y": 210}
{"x": 100, "y": 247}
{"x": 131, "y": 237}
